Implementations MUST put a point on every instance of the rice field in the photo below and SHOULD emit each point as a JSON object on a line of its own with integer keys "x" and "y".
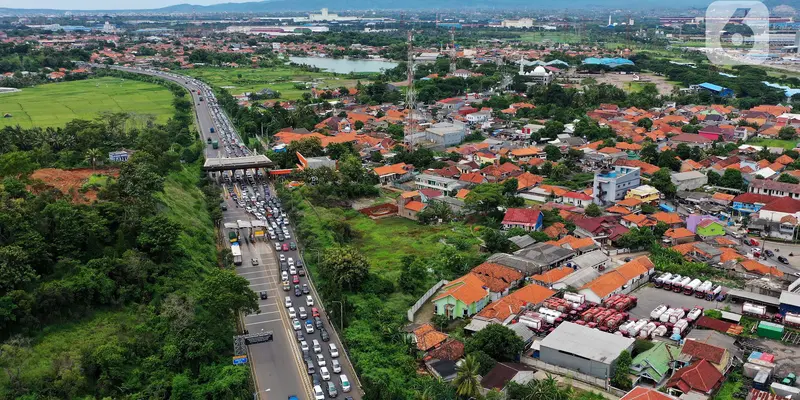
{"x": 55, "y": 104}
{"x": 281, "y": 79}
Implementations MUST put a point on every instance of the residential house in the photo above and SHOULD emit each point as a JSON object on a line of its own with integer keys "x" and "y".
{"x": 748, "y": 203}
{"x": 690, "y": 180}
{"x": 426, "y": 337}
{"x": 547, "y": 279}
{"x": 653, "y": 366}
{"x": 461, "y": 298}
{"x": 525, "y": 154}
{"x": 499, "y": 279}
{"x": 623, "y": 279}
{"x": 504, "y": 372}
{"x": 694, "y": 350}
{"x": 710, "y": 227}
{"x": 676, "y": 236}
{"x": 388, "y": 174}
{"x": 446, "y": 185}
{"x": 505, "y": 309}
{"x": 774, "y": 188}
{"x": 755, "y": 267}
{"x": 673, "y": 220}
{"x": 645, "y": 194}
{"x": 779, "y": 209}
{"x": 579, "y": 245}
{"x": 121, "y": 155}
{"x": 525, "y": 218}
{"x": 692, "y": 140}
{"x": 577, "y": 199}
{"x": 701, "y": 377}
{"x": 606, "y": 228}
{"x": 646, "y": 393}
{"x": 595, "y": 259}
{"x": 636, "y": 221}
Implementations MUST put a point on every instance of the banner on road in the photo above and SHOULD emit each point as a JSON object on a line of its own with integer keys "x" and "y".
{"x": 239, "y": 360}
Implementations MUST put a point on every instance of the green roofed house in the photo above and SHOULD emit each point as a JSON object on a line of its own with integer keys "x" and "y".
{"x": 462, "y": 298}
{"x": 710, "y": 227}
{"x": 654, "y": 366}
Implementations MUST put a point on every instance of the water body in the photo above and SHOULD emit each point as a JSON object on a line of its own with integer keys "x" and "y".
{"x": 343, "y": 65}
{"x": 789, "y": 91}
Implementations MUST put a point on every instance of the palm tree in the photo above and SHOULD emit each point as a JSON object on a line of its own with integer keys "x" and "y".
{"x": 466, "y": 382}
{"x": 424, "y": 395}
{"x": 93, "y": 156}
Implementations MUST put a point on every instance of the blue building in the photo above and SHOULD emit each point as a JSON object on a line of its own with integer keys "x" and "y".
{"x": 120, "y": 156}
{"x": 610, "y": 186}
{"x": 790, "y": 302}
{"x": 608, "y": 62}
{"x": 748, "y": 203}
{"x": 714, "y": 89}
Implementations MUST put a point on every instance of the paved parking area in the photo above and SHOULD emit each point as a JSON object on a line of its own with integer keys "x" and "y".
{"x": 649, "y": 297}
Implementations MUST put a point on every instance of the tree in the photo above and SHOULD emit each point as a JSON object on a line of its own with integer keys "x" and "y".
{"x": 495, "y": 241}
{"x": 732, "y": 178}
{"x": 713, "y": 178}
{"x": 621, "y": 377}
{"x": 553, "y": 152}
{"x": 158, "y": 237}
{"x": 649, "y": 153}
{"x": 787, "y": 133}
{"x": 645, "y": 123}
{"x": 684, "y": 151}
{"x": 359, "y": 125}
{"x": 669, "y": 159}
{"x": 662, "y": 180}
{"x": 486, "y": 197}
{"x": 788, "y": 179}
{"x": 93, "y": 155}
{"x": 497, "y": 341}
{"x": 485, "y": 362}
{"x": 466, "y": 381}
{"x": 559, "y": 172}
{"x": 593, "y": 210}
{"x": 345, "y": 267}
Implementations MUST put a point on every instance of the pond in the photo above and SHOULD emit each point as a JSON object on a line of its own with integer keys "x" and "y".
{"x": 343, "y": 65}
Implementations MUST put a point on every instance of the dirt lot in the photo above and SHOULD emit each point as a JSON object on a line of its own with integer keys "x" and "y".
{"x": 787, "y": 358}
{"x": 650, "y": 297}
{"x": 626, "y": 82}
{"x": 70, "y": 182}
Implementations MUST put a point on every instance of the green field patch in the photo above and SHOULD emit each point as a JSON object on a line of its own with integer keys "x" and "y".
{"x": 54, "y": 104}
{"x": 786, "y": 144}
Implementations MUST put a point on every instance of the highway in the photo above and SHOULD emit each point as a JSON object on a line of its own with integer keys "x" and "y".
{"x": 278, "y": 368}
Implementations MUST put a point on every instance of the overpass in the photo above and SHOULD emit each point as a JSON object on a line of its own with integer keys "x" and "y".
{"x": 229, "y": 164}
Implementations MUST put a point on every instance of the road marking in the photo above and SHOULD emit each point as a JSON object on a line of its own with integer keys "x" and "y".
{"x": 262, "y": 322}
{"x": 254, "y": 272}
{"x": 260, "y": 284}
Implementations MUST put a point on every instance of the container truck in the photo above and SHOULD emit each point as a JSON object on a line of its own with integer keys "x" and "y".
{"x": 694, "y": 314}
{"x": 665, "y": 316}
{"x": 692, "y": 286}
{"x": 676, "y": 315}
{"x": 575, "y": 298}
{"x": 635, "y": 328}
{"x": 237, "y": 254}
{"x": 680, "y": 327}
{"x": 626, "y": 326}
{"x": 714, "y": 293}
{"x": 661, "y": 331}
{"x": 672, "y": 281}
{"x": 656, "y": 313}
{"x": 792, "y": 320}
{"x": 682, "y": 284}
{"x": 754, "y": 310}
{"x": 532, "y": 320}
{"x": 659, "y": 282}
{"x": 703, "y": 290}
{"x": 647, "y": 330}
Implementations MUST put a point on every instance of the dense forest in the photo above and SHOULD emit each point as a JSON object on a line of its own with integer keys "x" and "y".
{"x": 122, "y": 298}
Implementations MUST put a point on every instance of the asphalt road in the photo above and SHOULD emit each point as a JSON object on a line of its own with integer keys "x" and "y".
{"x": 277, "y": 366}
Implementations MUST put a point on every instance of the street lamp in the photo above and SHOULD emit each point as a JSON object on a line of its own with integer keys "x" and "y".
{"x": 341, "y": 315}
{"x": 257, "y": 395}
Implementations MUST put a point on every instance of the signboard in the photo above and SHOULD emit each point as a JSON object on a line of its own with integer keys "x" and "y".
{"x": 239, "y": 360}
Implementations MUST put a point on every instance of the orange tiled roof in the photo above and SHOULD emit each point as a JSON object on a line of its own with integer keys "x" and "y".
{"x": 611, "y": 281}
{"x": 415, "y": 206}
{"x": 629, "y": 202}
{"x": 527, "y": 179}
{"x": 678, "y": 233}
{"x": 668, "y": 218}
{"x": 553, "y": 275}
{"x": 398, "y": 169}
{"x": 761, "y": 269}
{"x": 729, "y": 254}
{"x": 467, "y": 289}
{"x": 684, "y": 248}
{"x": 428, "y": 337}
{"x": 636, "y": 219}
{"x": 532, "y": 293}
{"x": 497, "y": 277}
{"x": 462, "y": 194}
{"x": 723, "y": 196}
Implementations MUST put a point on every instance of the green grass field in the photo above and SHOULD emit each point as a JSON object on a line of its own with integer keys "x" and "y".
{"x": 281, "y": 79}
{"x": 55, "y": 104}
{"x": 786, "y": 144}
{"x": 555, "y": 37}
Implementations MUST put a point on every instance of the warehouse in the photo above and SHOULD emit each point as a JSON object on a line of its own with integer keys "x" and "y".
{"x": 790, "y": 302}
{"x": 583, "y": 349}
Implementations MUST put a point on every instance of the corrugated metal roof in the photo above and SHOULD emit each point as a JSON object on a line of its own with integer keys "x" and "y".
{"x": 586, "y": 342}
{"x": 790, "y": 298}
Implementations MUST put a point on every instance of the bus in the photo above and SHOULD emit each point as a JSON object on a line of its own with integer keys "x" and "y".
{"x": 237, "y": 254}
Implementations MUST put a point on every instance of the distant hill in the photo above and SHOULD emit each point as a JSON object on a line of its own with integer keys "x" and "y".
{"x": 308, "y": 5}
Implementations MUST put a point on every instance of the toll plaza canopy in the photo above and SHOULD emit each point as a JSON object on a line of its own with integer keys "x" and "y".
{"x": 227, "y": 164}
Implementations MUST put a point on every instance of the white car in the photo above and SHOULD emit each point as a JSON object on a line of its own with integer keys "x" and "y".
{"x": 284, "y": 276}
{"x": 326, "y": 376}
{"x": 296, "y": 324}
{"x": 282, "y": 257}
{"x": 290, "y": 261}
{"x": 292, "y": 313}
{"x": 292, "y": 269}
{"x": 318, "y": 393}
{"x": 316, "y": 346}
{"x": 309, "y": 301}
{"x": 309, "y": 326}
{"x": 304, "y": 347}
{"x": 345, "y": 383}
{"x": 337, "y": 368}
{"x": 320, "y": 360}
{"x": 302, "y": 312}
{"x": 333, "y": 350}
{"x": 287, "y": 302}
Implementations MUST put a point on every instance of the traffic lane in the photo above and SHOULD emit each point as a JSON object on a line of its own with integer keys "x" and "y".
{"x": 779, "y": 249}
{"x": 272, "y": 381}
{"x": 347, "y": 368}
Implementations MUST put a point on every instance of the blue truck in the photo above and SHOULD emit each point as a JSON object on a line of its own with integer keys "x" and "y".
{"x": 211, "y": 130}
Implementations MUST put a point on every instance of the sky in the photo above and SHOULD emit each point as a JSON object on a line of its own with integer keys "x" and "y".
{"x": 106, "y": 4}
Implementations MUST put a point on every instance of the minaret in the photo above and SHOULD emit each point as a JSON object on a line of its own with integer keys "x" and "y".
{"x": 609, "y": 19}
{"x": 522, "y": 65}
